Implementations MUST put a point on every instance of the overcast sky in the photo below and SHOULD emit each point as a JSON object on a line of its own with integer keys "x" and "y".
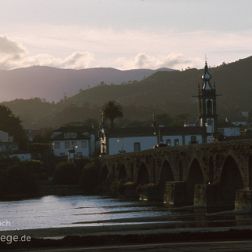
{"x": 124, "y": 33}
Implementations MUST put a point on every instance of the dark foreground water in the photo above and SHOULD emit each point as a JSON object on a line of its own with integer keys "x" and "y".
{"x": 70, "y": 211}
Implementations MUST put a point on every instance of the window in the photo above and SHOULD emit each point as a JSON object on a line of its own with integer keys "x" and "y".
{"x": 83, "y": 144}
{"x": 73, "y": 144}
{"x": 56, "y": 145}
{"x": 137, "y": 147}
{"x": 168, "y": 142}
{"x": 193, "y": 139}
{"x": 209, "y": 122}
{"x": 176, "y": 142}
{"x": 67, "y": 144}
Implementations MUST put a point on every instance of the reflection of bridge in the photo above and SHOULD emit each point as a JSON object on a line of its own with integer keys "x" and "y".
{"x": 209, "y": 175}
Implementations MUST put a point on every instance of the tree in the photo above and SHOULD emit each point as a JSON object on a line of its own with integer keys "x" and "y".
{"x": 66, "y": 173}
{"x": 12, "y": 124}
{"x": 19, "y": 180}
{"x": 112, "y": 110}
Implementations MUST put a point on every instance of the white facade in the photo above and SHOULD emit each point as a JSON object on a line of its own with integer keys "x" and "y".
{"x": 130, "y": 144}
{"x": 5, "y": 137}
{"x": 81, "y": 147}
{"x": 230, "y": 131}
{"x": 116, "y": 145}
{"x": 7, "y": 144}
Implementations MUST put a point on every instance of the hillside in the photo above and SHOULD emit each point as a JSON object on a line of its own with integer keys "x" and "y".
{"x": 163, "y": 92}
{"x": 53, "y": 83}
{"x": 173, "y": 91}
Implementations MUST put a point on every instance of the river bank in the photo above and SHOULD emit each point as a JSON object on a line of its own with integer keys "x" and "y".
{"x": 110, "y": 235}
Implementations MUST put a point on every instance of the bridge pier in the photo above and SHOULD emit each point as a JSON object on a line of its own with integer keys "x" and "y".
{"x": 243, "y": 200}
{"x": 205, "y": 196}
{"x": 174, "y": 194}
{"x": 148, "y": 192}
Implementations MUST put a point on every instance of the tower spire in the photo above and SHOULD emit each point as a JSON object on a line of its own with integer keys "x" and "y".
{"x": 206, "y": 77}
{"x": 207, "y": 105}
{"x": 205, "y": 59}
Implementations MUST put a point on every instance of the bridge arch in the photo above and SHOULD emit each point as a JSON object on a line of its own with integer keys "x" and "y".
{"x": 195, "y": 176}
{"x": 230, "y": 181}
{"x": 122, "y": 174}
{"x": 104, "y": 173}
{"x": 211, "y": 170}
{"x": 166, "y": 173}
{"x": 250, "y": 171}
{"x": 143, "y": 175}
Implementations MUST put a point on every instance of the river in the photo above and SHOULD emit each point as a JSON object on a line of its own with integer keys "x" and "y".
{"x": 69, "y": 211}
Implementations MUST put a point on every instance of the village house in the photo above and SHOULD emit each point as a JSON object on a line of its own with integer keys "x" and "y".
{"x": 121, "y": 140}
{"x": 7, "y": 144}
{"x": 230, "y": 132}
{"x": 73, "y": 142}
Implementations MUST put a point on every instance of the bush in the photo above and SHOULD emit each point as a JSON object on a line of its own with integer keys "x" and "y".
{"x": 90, "y": 178}
{"x": 66, "y": 173}
{"x": 19, "y": 179}
{"x": 117, "y": 188}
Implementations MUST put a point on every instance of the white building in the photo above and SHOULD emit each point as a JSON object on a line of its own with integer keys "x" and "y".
{"x": 7, "y": 144}
{"x": 5, "y": 137}
{"x": 73, "y": 142}
{"x": 230, "y": 131}
{"x": 123, "y": 140}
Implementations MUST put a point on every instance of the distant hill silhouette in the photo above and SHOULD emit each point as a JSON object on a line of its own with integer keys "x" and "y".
{"x": 173, "y": 91}
{"x": 163, "y": 92}
{"x": 53, "y": 83}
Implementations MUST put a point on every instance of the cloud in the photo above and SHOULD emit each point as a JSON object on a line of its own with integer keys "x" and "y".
{"x": 10, "y": 51}
{"x": 143, "y": 60}
{"x": 76, "y": 60}
{"x": 14, "y": 55}
{"x": 75, "y": 46}
{"x": 9, "y": 47}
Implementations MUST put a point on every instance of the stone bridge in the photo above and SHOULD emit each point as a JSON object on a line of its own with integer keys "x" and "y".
{"x": 210, "y": 175}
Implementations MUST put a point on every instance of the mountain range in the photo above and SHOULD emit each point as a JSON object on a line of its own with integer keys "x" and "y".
{"x": 53, "y": 84}
{"x": 164, "y": 92}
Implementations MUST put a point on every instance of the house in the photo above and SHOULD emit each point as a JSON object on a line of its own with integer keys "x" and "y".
{"x": 73, "y": 142}
{"x": 7, "y": 144}
{"x": 230, "y": 131}
{"x": 123, "y": 140}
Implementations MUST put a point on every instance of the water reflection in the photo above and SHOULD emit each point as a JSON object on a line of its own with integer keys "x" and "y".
{"x": 54, "y": 211}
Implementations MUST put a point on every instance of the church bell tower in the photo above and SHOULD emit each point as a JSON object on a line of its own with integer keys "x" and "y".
{"x": 207, "y": 105}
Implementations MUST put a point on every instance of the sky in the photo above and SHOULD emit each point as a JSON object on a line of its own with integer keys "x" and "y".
{"x": 124, "y": 34}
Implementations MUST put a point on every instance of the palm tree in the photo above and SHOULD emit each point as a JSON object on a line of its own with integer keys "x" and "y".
{"x": 111, "y": 111}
